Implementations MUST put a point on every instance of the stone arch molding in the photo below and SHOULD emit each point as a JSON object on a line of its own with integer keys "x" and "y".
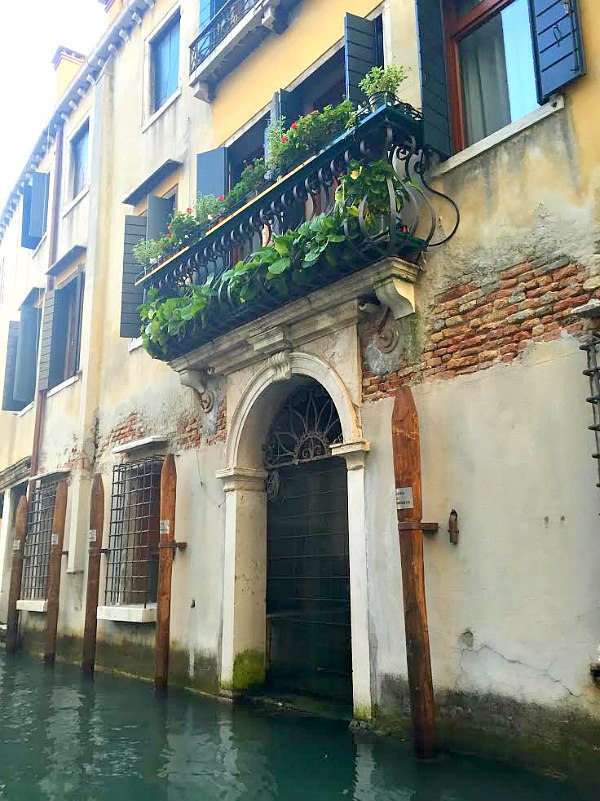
{"x": 282, "y": 367}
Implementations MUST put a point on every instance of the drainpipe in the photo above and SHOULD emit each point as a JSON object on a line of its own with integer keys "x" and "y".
{"x": 40, "y": 403}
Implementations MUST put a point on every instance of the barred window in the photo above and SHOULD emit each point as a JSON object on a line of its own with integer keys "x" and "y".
{"x": 132, "y": 571}
{"x": 38, "y": 540}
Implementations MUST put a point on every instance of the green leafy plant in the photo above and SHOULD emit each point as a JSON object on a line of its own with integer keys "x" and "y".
{"x": 251, "y": 181}
{"x": 383, "y": 79}
{"x": 288, "y": 146}
{"x": 165, "y": 319}
{"x": 371, "y": 182}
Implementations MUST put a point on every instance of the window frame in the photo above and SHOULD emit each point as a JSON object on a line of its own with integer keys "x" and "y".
{"x": 456, "y": 28}
{"x": 84, "y": 129}
{"x": 173, "y": 18}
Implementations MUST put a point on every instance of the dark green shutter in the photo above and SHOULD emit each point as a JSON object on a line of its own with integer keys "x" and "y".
{"x": 360, "y": 40}
{"x": 434, "y": 84}
{"x": 46, "y": 342}
{"x": 9, "y": 403}
{"x": 35, "y": 210}
{"x": 557, "y": 44}
{"x": 212, "y": 170}
{"x": 284, "y": 105}
{"x": 26, "y": 358}
{"x": 160, "y": 211}
{"x": 132, "y": 296}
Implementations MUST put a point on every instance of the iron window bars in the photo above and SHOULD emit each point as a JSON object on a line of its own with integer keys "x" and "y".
{"x": 38, "y": 539}
{"x": 592, "y": 347}
{"x": 132, "y": 565}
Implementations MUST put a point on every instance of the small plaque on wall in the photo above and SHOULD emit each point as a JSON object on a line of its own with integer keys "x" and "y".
{"x": 404, "y": 498}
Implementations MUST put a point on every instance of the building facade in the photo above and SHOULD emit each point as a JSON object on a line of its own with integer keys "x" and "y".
{"x": 279, "y": 415}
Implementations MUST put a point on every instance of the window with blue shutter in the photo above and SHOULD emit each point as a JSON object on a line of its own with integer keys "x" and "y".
{"x": 80, "y": 160}
{"x": 165, "y": 63}
{"x": 503, "y": 60}
{"x": 35, "y": 210}
{"x": 9, "y": 402}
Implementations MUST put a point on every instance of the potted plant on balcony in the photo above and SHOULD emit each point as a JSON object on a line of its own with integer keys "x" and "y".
{"x": 381, "y": 84}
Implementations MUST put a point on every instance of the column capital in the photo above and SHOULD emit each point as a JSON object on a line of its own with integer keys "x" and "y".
{"x": 353, "y": 452}
{"x": 251, "y": 479}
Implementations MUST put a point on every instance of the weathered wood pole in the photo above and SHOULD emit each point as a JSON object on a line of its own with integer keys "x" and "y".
{"x": 16, "y": 574}
{"x": 93, "y": 578}
{"x": 54, "y": 570}
{"x": 168, "y": 492}
{"x": 409, "y": 505}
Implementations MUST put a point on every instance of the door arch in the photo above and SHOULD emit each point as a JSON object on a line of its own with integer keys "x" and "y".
{"x": 308, "y": 568}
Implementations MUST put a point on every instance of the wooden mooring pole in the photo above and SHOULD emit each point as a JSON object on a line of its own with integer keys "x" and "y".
{"x": 95, "y": 535}
{"x": 167, "y": 546}
{"x": 409, "y": 505}
{"x": 14, "y": 593}
{"x": 54, "y": 571}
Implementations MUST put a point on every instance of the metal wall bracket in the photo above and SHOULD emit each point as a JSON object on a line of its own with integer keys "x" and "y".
{"x": 173, "y": 546}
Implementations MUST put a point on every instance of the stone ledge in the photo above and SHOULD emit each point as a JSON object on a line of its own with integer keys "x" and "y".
{"x": 128, "y": 614}
{"x": 32, "y": 605}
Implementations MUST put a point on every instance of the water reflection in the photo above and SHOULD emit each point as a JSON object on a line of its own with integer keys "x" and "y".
{"x": 64, "y": 737}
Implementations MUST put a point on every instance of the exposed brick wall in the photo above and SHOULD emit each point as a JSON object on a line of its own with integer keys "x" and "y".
{"x": 189, "y": 431}
{"x": 473, "y": 326}
{"x": 220, "y": 434}
{"x": 128, "y": 430}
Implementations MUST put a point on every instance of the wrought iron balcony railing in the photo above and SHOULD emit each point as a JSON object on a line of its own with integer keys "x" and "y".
{"x": 405, "y": 229}
{"x": 211, "y": 36}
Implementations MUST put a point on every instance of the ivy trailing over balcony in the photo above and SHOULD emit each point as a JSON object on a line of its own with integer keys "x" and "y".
{"x": 318, "y": 246}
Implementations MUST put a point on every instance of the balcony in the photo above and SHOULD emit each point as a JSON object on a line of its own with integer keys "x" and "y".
{"x": 403, "y": 228}
{"x": 230, "y": 36}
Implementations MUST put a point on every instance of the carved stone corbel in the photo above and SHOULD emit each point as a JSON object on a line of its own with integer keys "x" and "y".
{"x": 281, "y": 364}
{"x": 197, "y": 380}
{"x": 398, "y": 295}
{"x": 274, "y": 18}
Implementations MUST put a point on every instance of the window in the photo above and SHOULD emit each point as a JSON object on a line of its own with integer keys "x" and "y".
{"x": 36, "y": 552}
{"x": 80, "y": 160}
{"x": 132, "y": 570}
{"x": 165, "y": 63}
{"x": 61, "y": 333}
{"x": 492, "y": 66}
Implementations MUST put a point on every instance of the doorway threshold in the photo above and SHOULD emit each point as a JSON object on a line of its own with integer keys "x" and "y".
{"x": 300, "y": 704}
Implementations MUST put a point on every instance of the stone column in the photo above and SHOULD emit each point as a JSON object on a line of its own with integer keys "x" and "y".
{"x": 243, "y": 650}
{"x": 355, "y": 454}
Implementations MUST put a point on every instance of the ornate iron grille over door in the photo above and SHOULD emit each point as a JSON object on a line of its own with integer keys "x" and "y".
{"x": 308, "y": 570}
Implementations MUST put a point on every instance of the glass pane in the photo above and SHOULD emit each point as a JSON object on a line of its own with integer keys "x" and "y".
{"x": 497, "y": 72}
{"x": 464, "y": 6}
{"x": 166, "y": 64}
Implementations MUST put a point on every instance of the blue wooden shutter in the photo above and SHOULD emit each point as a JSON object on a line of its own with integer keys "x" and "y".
{"x": 557, "y": 44}
{"x": 9, "y": 402}
{"x": 35, "y": 210}
{"x": 26, "y": 356}
{"x": 361, "y": 53}
{"x": 434, "y": 84}
{"x": 160, "y": 211}
{"x": 212, "y": 172}
{"x": 132, "y": 296}
{"x": 46, "y": 341}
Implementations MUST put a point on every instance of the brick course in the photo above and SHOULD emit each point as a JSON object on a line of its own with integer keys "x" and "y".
{"x": 471, "y": 327}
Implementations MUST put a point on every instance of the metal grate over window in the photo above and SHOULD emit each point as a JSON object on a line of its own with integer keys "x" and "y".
{"x": 592, "y": 347}
{"x": 38, "y": 540}
{"x": 132, "y": 569}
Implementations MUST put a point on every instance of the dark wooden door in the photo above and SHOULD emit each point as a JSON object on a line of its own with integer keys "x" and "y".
{"x": 308, "y": 580}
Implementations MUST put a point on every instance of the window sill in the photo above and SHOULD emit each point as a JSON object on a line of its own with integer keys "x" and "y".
{"x": 33, "y": 605}
{"x": 24, "y": 411}
{"x": 139, "y": 444}
{"x": 556, "y": 104}
{"x": 76, "y": 200}
{"x": 159, "y": 112}
{"x": 128, "y": 614}
{"x": 135, "y": 344}
{"x": 63, "y": 385}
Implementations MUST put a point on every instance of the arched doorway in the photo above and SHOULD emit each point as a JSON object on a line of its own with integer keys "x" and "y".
{"x": 308, "y": 567}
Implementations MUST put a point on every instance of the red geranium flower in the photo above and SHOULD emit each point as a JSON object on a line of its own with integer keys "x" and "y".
{"x": 294, "y": 125}
{"x": 189, "y": 210}
{"x": 221, "y": 198}
{"x": 284, "y": 138}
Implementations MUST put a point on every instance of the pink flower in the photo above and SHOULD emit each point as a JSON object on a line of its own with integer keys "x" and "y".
{"x": 294, "y": 125}
{"x": 189, "y": 210}
{"x": 221, "y": 198}
{"x": 284, "y": 138}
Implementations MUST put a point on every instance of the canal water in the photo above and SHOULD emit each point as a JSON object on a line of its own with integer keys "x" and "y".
{"x": 64, "y": 737}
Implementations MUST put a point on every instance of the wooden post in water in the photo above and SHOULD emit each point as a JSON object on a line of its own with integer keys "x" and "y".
{"x": 14, "y": 593}
{"x": 167, "y": 546}
{"x": 409, "y": 505}
{"x": 54, "y": 570}
{"x": 95, "y": 536}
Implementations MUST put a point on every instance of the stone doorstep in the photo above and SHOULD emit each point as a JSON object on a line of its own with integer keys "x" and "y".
{"x": 298, "y": 322}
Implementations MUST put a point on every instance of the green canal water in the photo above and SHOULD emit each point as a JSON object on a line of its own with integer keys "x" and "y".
{"x": 64, "y": 737}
